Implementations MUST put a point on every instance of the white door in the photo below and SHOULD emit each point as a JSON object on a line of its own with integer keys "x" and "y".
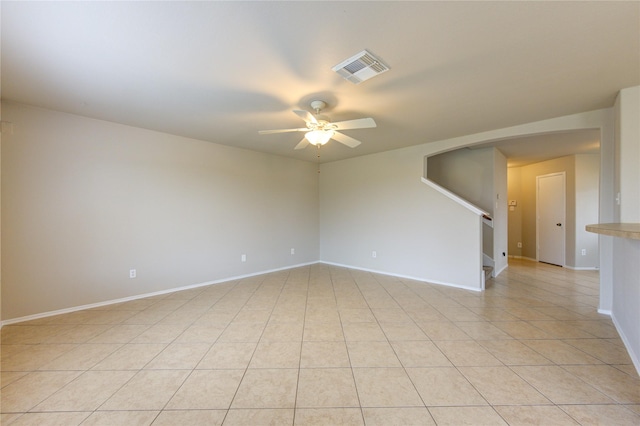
{"x": 551, "y": 218}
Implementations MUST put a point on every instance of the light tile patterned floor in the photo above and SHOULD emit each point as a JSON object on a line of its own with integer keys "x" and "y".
{"x": 330, "y": 346}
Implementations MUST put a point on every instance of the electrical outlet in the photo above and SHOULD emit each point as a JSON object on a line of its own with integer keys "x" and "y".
{"x": 374, "y": 254}
{"x": 584, "y": 252}
{"x": 243, "y": 258}
{"x": 519, "y": 244}
{"x": 293, "y": 251}
{"x": 132, "y": 273}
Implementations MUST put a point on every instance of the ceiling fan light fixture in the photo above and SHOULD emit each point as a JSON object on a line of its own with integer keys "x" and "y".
{"x": 319, "y": 137}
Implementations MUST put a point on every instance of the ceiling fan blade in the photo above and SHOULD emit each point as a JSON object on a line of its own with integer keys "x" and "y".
{"x": 268, "y": 132}
{"x": 359, "y": 123}
{"x": 346, "y": 140}
{"x": 306, "y": 116}
{"x": 302, "y": 144}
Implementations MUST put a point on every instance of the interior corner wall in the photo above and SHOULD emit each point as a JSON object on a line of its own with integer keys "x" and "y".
{"x": 84, "y": 201}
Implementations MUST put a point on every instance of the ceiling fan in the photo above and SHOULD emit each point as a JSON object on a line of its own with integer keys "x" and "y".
{"x": 319, "y": 130}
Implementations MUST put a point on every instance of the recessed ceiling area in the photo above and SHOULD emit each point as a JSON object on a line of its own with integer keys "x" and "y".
{"x": 221, "y": 71}
{"x": 541, "y": 147}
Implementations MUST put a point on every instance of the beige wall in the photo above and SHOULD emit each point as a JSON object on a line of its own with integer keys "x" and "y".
{"x": 84, "y": 201}
{"x": 514, "y": 184}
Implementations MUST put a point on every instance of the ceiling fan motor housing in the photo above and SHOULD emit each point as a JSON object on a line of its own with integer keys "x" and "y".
{"x": 318, "y": 105}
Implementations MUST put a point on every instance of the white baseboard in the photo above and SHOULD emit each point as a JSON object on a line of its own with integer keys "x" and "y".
{"x": 635, "y": 358}
{"x": 575, "y": 268}
{"x": 522, "y": 257}
{"x": 582, "y": 268}
{"x": 496, "y": 273}
{"x": 403, "y": 276}
{"x": 142, "y": 296}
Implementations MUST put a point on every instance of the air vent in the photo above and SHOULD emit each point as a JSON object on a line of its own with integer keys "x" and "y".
{"x": 360, "y": 67}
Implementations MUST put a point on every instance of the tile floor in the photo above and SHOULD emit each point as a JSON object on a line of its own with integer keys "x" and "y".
{"x": 330, "y": 346}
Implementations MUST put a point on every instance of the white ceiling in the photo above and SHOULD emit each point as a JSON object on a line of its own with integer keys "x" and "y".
{"x": 221, "y": 71}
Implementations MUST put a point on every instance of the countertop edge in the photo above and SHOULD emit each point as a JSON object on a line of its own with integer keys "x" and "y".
{"x": 621, "y": 230}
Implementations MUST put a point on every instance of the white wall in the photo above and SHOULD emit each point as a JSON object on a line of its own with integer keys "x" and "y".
{"x": 84, "y": 201}
{"x": 607, "y": 209}
{"x": 604, "y": 120}
{"x": 626, "y": 294}
{"x": 376, "y": 202}
{"x": 628, "y": 135}
{"x": 130, "y": 198}
{"x": 479, "y": 176}
{"x": 625, "y": 298}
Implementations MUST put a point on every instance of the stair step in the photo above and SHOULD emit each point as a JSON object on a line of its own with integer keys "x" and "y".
{"x": 487, "y": 272}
